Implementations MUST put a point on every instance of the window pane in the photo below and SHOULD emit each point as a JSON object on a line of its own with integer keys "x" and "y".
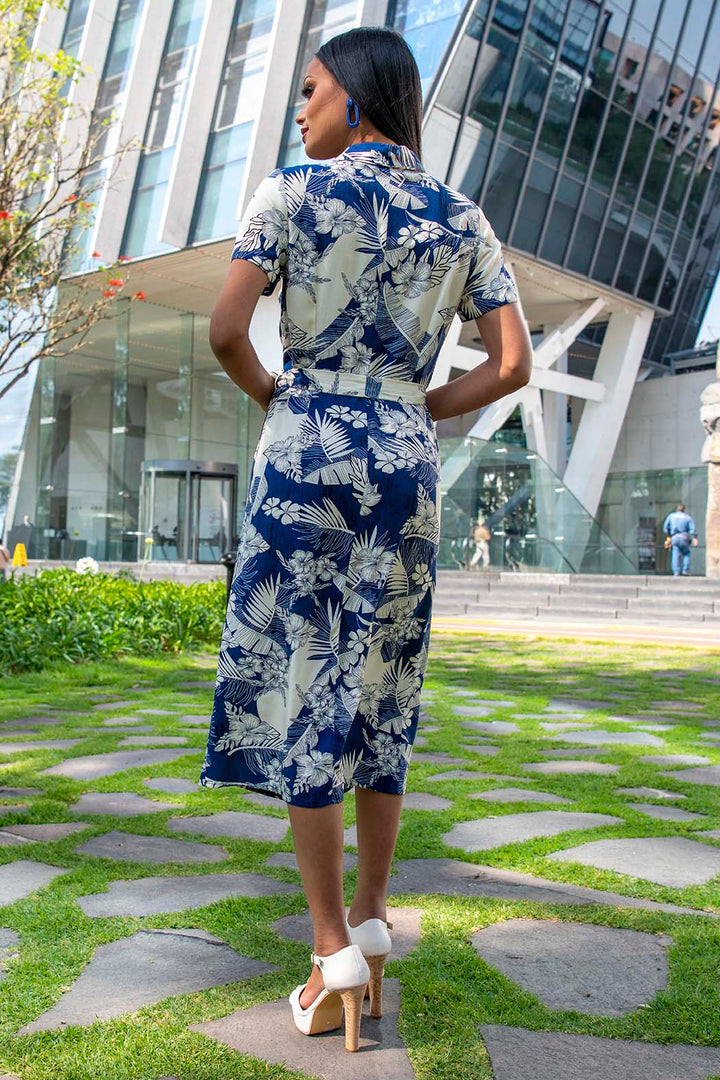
{"x": 587, "y": 232}
{"x": 585, "y": 133}
{"x": 657, "y": 172}
{"x": 565, "y": 88}
{"x": 543, "y": 33}
{"x": 468, "y": 171}
{"x": 610, "y": 148}
{"x": 610, "y": 245}
{"x": 635, "y": 157}
{"x": 496, "y": 64}
{"x": 634, "y": 254}
{"x": 507, "y": 172}
{"x": 657, "y": 257}
{"x": 562, "y": 215}
{"x": 427, "y": 26}
{"x": 526, "y": 100}
{"x": 534, "y": 206}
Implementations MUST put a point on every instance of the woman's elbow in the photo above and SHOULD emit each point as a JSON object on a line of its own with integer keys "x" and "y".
{"x": 519, "y": 368}
{"x": 223, "y": 336}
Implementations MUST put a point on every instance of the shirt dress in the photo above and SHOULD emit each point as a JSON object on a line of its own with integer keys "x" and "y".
{"x": 326, "y": 635}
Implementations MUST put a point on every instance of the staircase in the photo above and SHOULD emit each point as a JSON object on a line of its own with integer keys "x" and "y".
{"x": 634, "y": 599}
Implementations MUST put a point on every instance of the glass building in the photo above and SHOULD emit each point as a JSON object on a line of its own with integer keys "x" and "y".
{"x": 587, "y": 131}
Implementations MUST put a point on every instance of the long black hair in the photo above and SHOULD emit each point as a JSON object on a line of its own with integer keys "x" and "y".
{"x": 377, "y": 69}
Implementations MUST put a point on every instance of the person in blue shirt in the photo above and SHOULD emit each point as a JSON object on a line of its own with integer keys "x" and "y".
{"x": 681, "y": 534}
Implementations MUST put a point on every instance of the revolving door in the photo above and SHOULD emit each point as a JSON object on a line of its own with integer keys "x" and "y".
{"x": 187, "y": 510}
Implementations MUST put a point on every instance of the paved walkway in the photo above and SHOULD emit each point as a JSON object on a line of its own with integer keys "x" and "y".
{"x": 687, "y": 635}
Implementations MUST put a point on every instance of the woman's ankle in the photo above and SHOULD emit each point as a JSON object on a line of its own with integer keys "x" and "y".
{"x": 362, "y": 909}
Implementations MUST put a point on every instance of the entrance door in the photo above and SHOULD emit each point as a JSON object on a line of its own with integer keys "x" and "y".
{"x": 164, "y": 509}
{"x": 212, "y": 526}
{"x": 188, "y": 511}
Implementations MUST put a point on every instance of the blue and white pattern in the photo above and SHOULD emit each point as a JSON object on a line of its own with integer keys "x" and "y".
{"x": 326, "y": 636}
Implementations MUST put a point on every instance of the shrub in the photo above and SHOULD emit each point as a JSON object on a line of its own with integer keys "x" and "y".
{"x": 63, "y": 615}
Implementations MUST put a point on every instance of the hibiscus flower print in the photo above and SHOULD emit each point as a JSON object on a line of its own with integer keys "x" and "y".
{"x": 412, "y": 278}
{"x": 313, "y": 770}
{"x": 285, "y": 456}
{"x": 335, "y": 217}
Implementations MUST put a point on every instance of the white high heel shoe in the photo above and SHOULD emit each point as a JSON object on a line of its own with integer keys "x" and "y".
{"x": 375, "y": 944}
{"x": 345, "y": 974}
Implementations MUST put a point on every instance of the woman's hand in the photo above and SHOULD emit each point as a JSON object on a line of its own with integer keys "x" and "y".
{"x": 507, "y": 368}
{"x": 229, "y": 331}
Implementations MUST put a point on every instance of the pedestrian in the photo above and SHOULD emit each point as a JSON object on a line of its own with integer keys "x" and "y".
{"x": 680, "y": 535}
{"x": 326, "y": 635}
{"x": 481, "y": 537}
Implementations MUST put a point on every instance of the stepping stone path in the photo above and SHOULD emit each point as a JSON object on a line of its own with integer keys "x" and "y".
{"x": 265, "y": 1032}
{"x": 472, "y": 710}
{"x": 18, "y": 808}
{"x": 492, "y": 727}
{"x": 451, "y": 877}
{"x": 666, "y": 860}
{"x": 28, "y": 722}
{"x": 122, "y": 729}
{"x": 675, "y": 759}
{"x": 21, "y": 878}
{"x": 173, "y": 785}
{"x": 437, "y": 759}
{"x": 124, "y": 721}
{"x": 9, "y": 942}
{"x": 571, "y": 768}
{"x": 513, "y": 794}
{"x": 161, "y": 895}
{"x": 111, "y": 706}
{"x": 494, "y": 832}
{"x": 709, "y": 776}
{"x": 673, "y": 706}
{"x": 560, "y": 726}
{"x": 576, "y": 752}
{"x": 484, "y": 749}
{"x": 198, "y": 684}
{"x": 288, "y": 860}
{"x": 93, "y": 766}
{"x": 566, "y": 717}
{"x": 194, "y": 720}
{"x": 265, "y": 800}
{"x": 39, "y": 744}
{"x": 491, "y": 703}
{"x": 154, "y": 740}
{"x": 143, "y": 969}
{"x": 117, "y": 803}
{"x": 576, "y": 704}
{"x": 591, "y": 969}
{"x": 405, "y": 929}
{"x": 649, "y": 792}
{"x": 456, "y": 774}
{"x": 517, "y": 1054}
{"x": 418, "y": 800}
{"x": 632, "y": 738}
{"x": 157, "y": 712}
{"x": 236, "y": 824}
{"x": 48, "y": 833}
{"x": 150, "y": 849}
{"x": 666, "y": 813}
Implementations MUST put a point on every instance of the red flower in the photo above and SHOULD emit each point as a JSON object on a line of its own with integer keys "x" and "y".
{"x": 86, "y": 205}
{"x": 71, "y": 198}
{"x": 4, "y": 215}
{"x": 124, "y": 258}
{"x": 108, "y": 292}
{"x": 96, "y": 255}
{"x": 118, "y": 282}
{"x": 139, "y": 296}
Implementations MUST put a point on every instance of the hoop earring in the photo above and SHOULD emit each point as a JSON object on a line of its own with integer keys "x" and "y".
{"x": 350, "y": 106}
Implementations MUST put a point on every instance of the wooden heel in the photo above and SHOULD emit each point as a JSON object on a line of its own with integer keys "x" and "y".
{"x": 352, "y": 1003}
{"x": 377, "y": 969}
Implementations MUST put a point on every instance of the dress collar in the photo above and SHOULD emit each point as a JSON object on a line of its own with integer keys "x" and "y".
{"x": 389, "y": 155}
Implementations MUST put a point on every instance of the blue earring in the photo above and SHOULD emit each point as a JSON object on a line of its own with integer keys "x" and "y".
{"x": 350, "y": 106}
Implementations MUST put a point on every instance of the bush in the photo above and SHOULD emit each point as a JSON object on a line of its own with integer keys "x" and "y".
{"x": 63, "y": 615}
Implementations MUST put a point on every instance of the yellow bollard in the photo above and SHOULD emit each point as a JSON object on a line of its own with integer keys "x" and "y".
{"x": 19, "y": 555}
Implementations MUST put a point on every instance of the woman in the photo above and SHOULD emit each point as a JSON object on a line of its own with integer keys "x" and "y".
{"x": 328, "y": 621}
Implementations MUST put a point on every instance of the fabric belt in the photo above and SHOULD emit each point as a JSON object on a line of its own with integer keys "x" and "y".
{"x": 346, "y": 383}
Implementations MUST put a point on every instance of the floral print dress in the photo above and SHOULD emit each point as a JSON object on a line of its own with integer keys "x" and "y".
{"x": 326, "y": 635}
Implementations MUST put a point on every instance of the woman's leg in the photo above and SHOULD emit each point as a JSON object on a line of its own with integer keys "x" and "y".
{"x": 318, "y": 839}
{"x": 378, "y": 821}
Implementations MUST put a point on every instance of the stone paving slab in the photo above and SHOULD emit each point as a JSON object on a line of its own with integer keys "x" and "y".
{"x": 675, "y": 759}
{"x": 452, "y": 877}
{"x": 194, "y": 720}
{"x": 16, "y": 808}
{"x": 140, "y": 970}
{"x": 575, "y": 752}
{"x": 259, "y": 799}
{"x": 288, "y": 860}
{"x": 9, "y": 941}
{"x": 491, "y": 703}
{"x": 576, "y": 704}
{"x": 197, "y": 684}
{"x": 39, "y": 744}
{"x": 162, "y": 895}
{"x": 124, "y": 721}
{"x": 492, "y": 727}
{"x": 439, "y": 758}
{"x": 157, "y": 712}
{"x": 111, "y": 706}
{"x": 456, "y": 774}
{"x": 118, "y": 803}
{"x": 154, "y": 740}
{"x": 649, "y": 793}
{"x": 666, "y": 860}
{"x": 122, "y": 729}
{"x": 483, "y": 749}
{"x": 471, "y": 710}
{"x": 236, "y": 824}
{"x": 405, "y": 930}
{"x": 666, "y": 813}
{"x": 494, "y": 832}
{"x": 47, "y": 833}
{"x": 94, "y": 766}
{"x": 36, "y": 721}
{"x": 19, "y": 792}
{"x": 570, "y": 768}
{"x": 709, "y": 776}
{"x": 267, "y": 1031}
{"x": 172, "y": 785}
{"x": 503, "y": 778}
{"x": 564, "y": 726}
{"x": 714, "y": 834}
{"x": 631, "y": 738}
{"x": 150, "y": 849}
{"x": 517, "y": 1054}
{"x": 350, "y": 836}
{"x": 419, "y": 800}
{"x": 672, "y": 705}
{"x": 580, "y": 717}
{"x": 21, "y": 878}
{"x": 514, "y": 794}
{"x": 598, "y": 970}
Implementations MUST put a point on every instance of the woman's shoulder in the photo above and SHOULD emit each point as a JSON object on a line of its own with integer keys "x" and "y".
{"x": 464, "y": 214}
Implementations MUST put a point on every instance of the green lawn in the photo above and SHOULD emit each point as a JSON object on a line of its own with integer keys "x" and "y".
{"x": 446, "y": 989}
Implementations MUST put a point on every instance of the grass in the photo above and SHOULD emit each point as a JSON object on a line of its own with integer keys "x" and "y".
{"x": 447, "y": 991}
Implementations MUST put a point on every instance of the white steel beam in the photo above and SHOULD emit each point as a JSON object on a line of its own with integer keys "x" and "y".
{"x": 559, "y": 340}
{"x": 372, "y": 12}
{"x": 186, "y": 169}
{"x": 49, "y": 29}
{"x": 115, "y": 202}
{"x": 569, "y": 385}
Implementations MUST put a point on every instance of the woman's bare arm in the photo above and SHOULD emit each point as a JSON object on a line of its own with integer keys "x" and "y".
{"x": 507, "y": 368}
{"x": 230, "y": 330}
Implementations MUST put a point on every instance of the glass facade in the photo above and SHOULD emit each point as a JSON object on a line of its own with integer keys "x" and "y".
{"x": 237, "y": 104}
{"x": 588, "y": 133}
{"x": 162, "y": 130}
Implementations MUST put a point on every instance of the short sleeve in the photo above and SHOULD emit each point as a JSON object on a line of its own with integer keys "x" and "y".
{"x": 262, "y": 237}
{"x": 489, "y": 283}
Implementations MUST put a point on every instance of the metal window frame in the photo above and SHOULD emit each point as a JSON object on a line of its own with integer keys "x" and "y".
{"x": 623, "y": 153}
{"x": 540, "y": 121}
{"x": 568, "y": 139}
{"x": 464, "y": 19}
{"x": 462, "y": 119}
{"x": 522, "y": 36}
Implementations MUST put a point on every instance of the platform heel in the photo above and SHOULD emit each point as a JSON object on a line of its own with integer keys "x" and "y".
{"x": 374, "y": 940}
{"x": 345, "y": 975}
